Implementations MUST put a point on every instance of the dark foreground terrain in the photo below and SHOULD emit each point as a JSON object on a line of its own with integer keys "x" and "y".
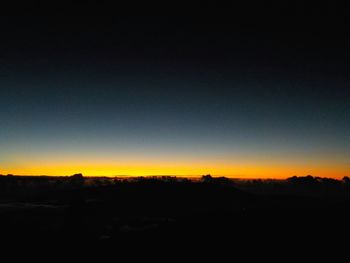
{"x": 175, "y": 215}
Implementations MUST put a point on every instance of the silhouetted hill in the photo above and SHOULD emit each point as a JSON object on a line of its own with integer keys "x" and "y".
{"x": 171, "y": 213}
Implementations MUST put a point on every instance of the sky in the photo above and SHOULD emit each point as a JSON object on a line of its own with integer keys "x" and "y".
{"x": 175, "y": 95}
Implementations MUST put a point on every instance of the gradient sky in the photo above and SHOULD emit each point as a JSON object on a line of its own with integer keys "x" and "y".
{"x": 164, "y": 95}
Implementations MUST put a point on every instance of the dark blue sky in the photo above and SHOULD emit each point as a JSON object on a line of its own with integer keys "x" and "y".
{"x": 153, "y": 95}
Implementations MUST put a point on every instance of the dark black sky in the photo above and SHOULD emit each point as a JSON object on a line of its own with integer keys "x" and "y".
{"x": 288, "y": 38}
{"x": 272, "y": 76}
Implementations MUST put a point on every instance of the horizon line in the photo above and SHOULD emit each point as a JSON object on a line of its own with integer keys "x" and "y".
{"x": 168, "y": 175}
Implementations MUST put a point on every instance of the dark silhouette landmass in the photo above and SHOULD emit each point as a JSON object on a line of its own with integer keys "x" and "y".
{"x": 175, "y": 213}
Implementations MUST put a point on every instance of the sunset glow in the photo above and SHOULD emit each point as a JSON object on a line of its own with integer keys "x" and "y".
{"x": 158, "y": 99}
{"x": 247, "y": 170}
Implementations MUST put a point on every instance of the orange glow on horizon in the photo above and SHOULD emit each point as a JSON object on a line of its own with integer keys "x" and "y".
{"x": 235, "y": 164}
{"x": 176, "y": 169}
